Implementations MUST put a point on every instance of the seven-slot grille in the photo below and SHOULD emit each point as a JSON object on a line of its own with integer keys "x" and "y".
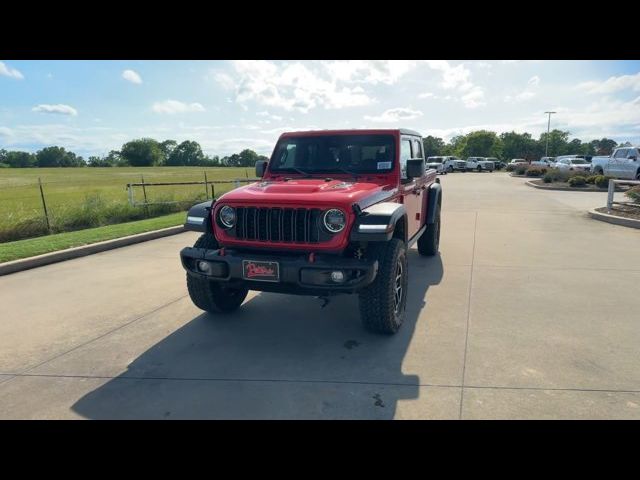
{"x": 288, "y": 225}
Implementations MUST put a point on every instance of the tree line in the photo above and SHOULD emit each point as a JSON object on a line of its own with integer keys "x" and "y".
{"x": 509, "y": 145}
{"x": 143, "y": 152}
{"x": 147, "y": 152}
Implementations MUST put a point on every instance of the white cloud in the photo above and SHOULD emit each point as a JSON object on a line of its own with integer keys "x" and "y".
{"x": 58, "y": 109}
{"x": 7, "y": 71}
{"x": 269, "y": 115}
{"x": 474, "y": 98}
{"x": 291, "y": 86}
{"x": 426, "y": 95}
{"x": 369, "y": 71}
{"x": 613, "y": 84}
{"x": 132, "y": 76}
{"x": 458, "y": 78}
{"x": 395, "y": 115}
{"x": 520, "y": 97}
{"x": 535, "y": 81}
{"x": 175, "y": 106}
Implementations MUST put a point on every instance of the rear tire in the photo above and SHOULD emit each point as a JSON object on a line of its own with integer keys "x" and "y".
{"x": 429, "y": 241}
{"x": 212, "y": 296}
{"x": 383, "y": 303}
{"x": 479, "y": 168}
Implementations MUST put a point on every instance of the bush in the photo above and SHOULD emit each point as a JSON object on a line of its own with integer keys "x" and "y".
{"x": 4, "y": 165}
{"x": 577, "y": 181}
{"x": 534, "y": 172}
{"x": 602, "y": 181}
{"x": 521, "y": 169}
{"x": 634, "y": 194}
{"x": 556, "y": 175}
{"x": 591, "y": 179}
{"x": 548, "y": 177}
{"x": 510, "y": 168}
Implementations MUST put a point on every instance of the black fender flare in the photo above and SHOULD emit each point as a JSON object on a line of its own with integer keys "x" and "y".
{"x": 434, "y": 198}
{"x": 199, "y": 217}
{"x": 378, "y": 222}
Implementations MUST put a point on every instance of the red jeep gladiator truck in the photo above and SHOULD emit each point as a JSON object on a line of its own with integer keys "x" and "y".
{"x": 335, "y": 212}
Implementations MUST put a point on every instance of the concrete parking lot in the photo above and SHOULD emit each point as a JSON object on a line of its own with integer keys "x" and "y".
{"x": 531, "y": 311}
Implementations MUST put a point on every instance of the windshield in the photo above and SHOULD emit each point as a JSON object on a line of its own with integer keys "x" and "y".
{"x": 578, "y": 161}
{"x": 335, "y": 154}
{"x": 434, "y": 160}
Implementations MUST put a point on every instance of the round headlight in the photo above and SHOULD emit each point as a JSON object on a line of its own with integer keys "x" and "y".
{"x": 227, "y": 216}
{"x": 334, "y": 220}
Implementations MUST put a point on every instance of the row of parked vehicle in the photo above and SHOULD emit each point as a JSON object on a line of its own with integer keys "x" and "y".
{"x": 623, "y": 163}
{"x": 450, "y": 164}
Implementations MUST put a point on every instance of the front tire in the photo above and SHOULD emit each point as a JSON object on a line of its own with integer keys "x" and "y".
{"x": 429, "y": 241}
{"x": 383, "y": 303}
{"x": 212, "y": 296}
{"x": 450, "y": 169}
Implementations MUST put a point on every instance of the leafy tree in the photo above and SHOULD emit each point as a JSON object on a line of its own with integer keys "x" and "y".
{"x": 58, "y": 157}
{"x": 604, "y": 146}
{"x": 558, "y": 142}
{"x": 481, "y": 143}
{"x": 248, "y": 158}
{"x": 167, "y": 147}
{"x": 144, "y": 152}
{"x": 188, "y": 153}
{"x": 20, "y": 159}
{"x": 518, "y": 145}
{"x": 433, "y": 146}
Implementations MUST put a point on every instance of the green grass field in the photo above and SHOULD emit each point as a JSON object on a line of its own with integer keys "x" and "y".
{"x": 79, "y": 198}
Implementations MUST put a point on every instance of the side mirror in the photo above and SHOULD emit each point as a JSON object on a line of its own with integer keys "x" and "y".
{"x": 635, "y": 159}
{"x": 261, "y": 166}
{"x": 415, "y": 168}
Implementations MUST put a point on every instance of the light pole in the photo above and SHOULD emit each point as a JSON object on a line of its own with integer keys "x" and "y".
{"x": 546, "y": 150}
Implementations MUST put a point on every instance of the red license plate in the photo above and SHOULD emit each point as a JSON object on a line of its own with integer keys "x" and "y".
{"x": 260, "y": 270}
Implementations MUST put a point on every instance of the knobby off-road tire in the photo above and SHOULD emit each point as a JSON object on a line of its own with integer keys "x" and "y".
{"x": 211, "y": 296}
{"x": 429, "y": 241}
{"x": 383, "y": 303}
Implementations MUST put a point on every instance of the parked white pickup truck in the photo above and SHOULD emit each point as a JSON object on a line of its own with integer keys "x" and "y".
{"x": 623, "y": 163}
{"x": 437, "y": 163}
{"x": 449, "y": 163}
{"x": 479, "y": 164}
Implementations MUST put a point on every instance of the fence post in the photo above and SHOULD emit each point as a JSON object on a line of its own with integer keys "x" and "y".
{"x": 130, "y": 194}
{"x": 206, "y": 186}
{"x": 144, "y": 191}
{"x": 213, "y": 191}
{"x": 610, "y": 195}
{"x": 44, "y": 205}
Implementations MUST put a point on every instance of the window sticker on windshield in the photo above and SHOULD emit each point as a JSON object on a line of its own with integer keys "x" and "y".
{"x": 384, "y": 165}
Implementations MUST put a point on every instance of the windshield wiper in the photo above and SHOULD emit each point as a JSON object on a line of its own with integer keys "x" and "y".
{"x": 298, "y": 170}
{"x": 355, "y": 174}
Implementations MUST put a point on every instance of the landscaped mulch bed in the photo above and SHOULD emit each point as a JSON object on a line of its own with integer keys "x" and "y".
{"x": 622, "y": 211}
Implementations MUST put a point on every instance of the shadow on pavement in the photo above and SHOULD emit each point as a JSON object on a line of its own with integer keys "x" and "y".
{"x": 279, "y": 356}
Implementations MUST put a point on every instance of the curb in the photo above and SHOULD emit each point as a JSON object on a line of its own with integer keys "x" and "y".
{"x": 76, "y": 252}
{"x": 567, "y": 189}
{"x": 605, "y": 217}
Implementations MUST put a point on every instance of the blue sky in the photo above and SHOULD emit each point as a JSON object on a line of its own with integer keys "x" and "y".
{"x": 92, "y": 107}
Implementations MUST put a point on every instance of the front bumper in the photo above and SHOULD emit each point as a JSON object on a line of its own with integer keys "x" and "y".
{"x": 297, "y": 274}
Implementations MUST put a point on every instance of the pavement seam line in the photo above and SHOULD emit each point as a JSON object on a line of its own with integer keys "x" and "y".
{"x": 466, "y": 334}
{"x": 55, "y": 357}
{"x": 339, "y": 382}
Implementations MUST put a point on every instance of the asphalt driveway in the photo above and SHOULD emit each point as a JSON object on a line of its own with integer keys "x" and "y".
{"x": 531, "y": 311}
